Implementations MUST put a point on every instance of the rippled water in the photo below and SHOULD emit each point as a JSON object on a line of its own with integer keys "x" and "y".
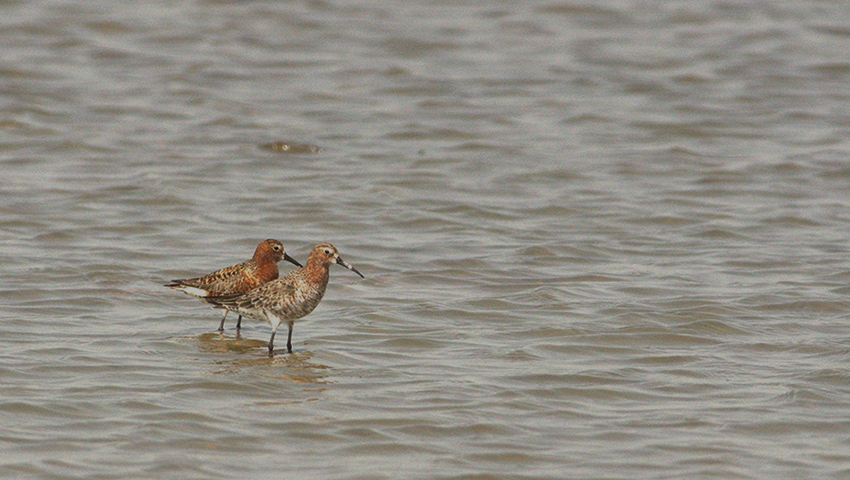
{"x": 600, "y": 239}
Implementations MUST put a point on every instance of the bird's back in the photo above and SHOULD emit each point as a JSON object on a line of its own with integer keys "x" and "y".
{"x": 232, "y": 280}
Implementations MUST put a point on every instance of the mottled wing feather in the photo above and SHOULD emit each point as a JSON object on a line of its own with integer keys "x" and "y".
{"x": 223, "y": 280}
{"x": 265, "y": 296}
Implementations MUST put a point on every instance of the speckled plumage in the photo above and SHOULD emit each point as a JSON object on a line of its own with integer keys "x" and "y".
{"x": 239, "y": 278}
{"x": 288, "y": 298}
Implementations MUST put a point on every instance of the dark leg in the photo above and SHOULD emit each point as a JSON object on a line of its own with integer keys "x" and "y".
{"x": 221, "y": 326}
{"x": 271, "y": 344}
{"x": 289, "y": 338}
{"x": 239, "y": 323}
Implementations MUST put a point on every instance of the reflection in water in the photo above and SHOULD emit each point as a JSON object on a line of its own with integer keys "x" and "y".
{"x": 245, "y": 353}
{"x": 215, "y": 342}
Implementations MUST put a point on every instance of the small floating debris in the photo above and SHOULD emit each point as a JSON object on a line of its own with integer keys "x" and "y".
{"x": 291, "y": 147}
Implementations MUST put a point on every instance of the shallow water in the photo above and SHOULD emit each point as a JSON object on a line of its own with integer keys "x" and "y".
{"x": 600, "y": 240}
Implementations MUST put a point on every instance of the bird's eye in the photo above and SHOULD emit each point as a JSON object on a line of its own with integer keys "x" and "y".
{"x": 276, "y": 248}
{"x": 327, "y": 252}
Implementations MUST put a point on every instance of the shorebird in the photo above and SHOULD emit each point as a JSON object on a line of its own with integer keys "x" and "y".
{"x": 289, "y": 297}
{"x": 238, "y": 278}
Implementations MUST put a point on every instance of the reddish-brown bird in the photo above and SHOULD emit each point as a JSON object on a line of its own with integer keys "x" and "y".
{"x": 238, "y": 278}
{"x": 290, "y": 297}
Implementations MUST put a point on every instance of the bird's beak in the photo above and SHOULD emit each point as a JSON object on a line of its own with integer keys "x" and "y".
{"x": 291, "y": 260}
{"x": 346, "y": 265}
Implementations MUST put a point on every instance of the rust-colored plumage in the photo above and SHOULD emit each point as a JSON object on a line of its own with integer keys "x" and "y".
{"x": 288, "y": 298}
{"x": 239, "y": 278}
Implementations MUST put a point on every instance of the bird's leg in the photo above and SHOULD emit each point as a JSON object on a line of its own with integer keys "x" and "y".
{"x": 271, "y": 343}
{"x": 239, "y": 323}
{"x": 221, "y": 326}
{"x": 289, "y": 338}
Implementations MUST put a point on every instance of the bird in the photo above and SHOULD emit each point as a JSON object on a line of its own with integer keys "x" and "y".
{"x": 239, "y": 278}
{"x": 287, "y": 298}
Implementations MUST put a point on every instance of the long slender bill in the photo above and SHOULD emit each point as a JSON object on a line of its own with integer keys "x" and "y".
{"x": 291, "y": 260}
{"x": 346, "y": 265}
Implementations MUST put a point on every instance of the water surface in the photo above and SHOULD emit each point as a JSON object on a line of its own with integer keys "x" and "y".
{"x": 600, "y": 240}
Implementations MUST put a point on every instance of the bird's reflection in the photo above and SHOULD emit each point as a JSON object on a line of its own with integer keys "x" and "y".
{"x": 244, "y": 353}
